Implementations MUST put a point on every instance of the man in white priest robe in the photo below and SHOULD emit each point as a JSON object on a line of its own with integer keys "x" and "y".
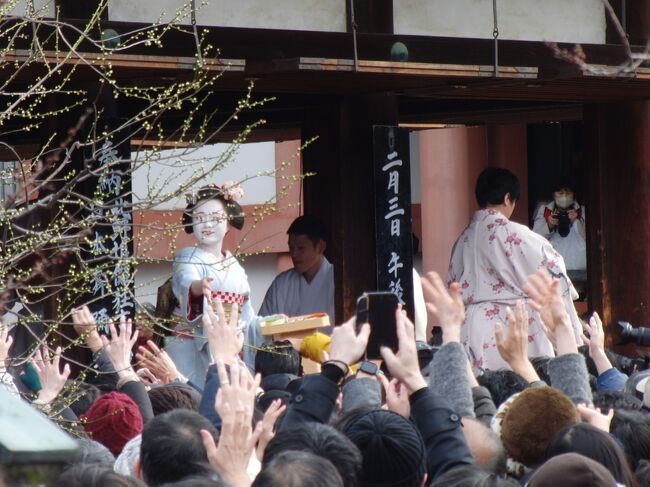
{"x": 308, "y": 287}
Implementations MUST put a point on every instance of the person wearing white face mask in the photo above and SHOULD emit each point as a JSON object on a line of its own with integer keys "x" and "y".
{"x": 205, "y": 271}
{"x": 562, "y": 222}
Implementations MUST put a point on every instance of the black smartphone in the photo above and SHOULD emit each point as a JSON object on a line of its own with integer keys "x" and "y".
{"x": 378, "y": 309}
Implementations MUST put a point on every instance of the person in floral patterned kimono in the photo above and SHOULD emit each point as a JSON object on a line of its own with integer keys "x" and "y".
{"x": 492, "y": 260}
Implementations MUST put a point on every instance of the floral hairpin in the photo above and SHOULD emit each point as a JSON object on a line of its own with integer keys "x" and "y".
{"x": 232, "y": 191}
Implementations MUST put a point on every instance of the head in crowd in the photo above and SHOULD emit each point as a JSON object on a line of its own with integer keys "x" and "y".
{"x": 296, "y": 469}
{"x": 529, "y": 421}
{"x": 113, "y": 419}
{"x": 82, "y": 395}
{"x": 572, "y": 470}
{"x": 471, "y": 476}
{"x": 632, "y": 430}
{"x": 173, "y": 396}
{"x": 393, "y": 450}
{"x": 642, "y": 473}
{"x": 323, "y": 441}
{"x": 278, "y": 358}
{"x": 172, "y": 448}
{"x": 127, "y": 462}
{"x": 94, "y": 475}
{"x": 210, "y": 210}
{"x": 307, "y": 243}
{"x": 593, "y": 443}
{"x": 210, "y": 479}
{"x": 485, "y": 445}
{"x": 616, "y": 400}
{"x": 502, "y": 384}
{"x": 634, "y": 386}
{"x": 496, "y": 186}
{"x": 92, "y": 452}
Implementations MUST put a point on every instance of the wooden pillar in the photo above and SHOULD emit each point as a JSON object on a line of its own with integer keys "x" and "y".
{"x": 341, "y": 193}
{"x": 617, "y": 155}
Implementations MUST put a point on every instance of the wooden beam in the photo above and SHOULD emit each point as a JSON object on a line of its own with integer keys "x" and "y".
{"x": 140, "y": 61}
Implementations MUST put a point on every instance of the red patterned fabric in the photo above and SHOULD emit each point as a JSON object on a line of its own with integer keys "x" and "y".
{"x": 196, "y": 302}
{"x": 229, "y": 298}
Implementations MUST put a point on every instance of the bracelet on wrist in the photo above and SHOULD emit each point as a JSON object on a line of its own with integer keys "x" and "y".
{"x": 340, "y": 364}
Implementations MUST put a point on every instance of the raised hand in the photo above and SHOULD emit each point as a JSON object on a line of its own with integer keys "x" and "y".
{"x": 544, "y": 293}
{"x": 269, "y": 420}
{"x": 225, "y": 339}
{"x": 5, "y": 344}
{"x": 397, "y": 399}
{"x": 84, "y": 324}
{"x": 157, "y": 362}
{"x": 514, "y": 347}
{"x": 595, "y": 417}
{"x": 118, "y": 348}
{"x": 596, "y": 343}
{"x": 48, "y": 370}
{"x": 404, "y": 365}
{"x": 235, "y": 404}
{"x": 446, "y": 306}
{"x": 346, "y": 345}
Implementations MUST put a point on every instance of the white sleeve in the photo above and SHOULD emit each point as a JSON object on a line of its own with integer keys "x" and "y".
{"x": 270, "y": 304}
{"x": 540, "y": 225}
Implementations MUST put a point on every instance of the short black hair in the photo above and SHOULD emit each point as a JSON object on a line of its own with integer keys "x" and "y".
{"x": 617, "y": 400}
{"x": 321, "y": 440}
{"x": 173, "y": 396}
{"x": 92, "y": 452}
{"x": 493, "y": 184}
{"x": 212, "y": 479}
{"x": 311, "y": 226}
{"x": 278, "y": 358}
{"x": 502, "y": 384}
{"x": 471, "y": 475}
{"x": 293, "y": 468}
{"x": 94, "y": 475}
{"x": 172, "y": 447}
{"x": 632, "y": 430}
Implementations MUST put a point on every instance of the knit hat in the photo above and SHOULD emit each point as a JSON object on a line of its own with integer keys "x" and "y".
{"x": 125, "y": 461}
{"x": 572, "y": 470}
{"x": 530, "y": 421}
{"x": 392, "y": 448}
{"x": 113, "y": 420}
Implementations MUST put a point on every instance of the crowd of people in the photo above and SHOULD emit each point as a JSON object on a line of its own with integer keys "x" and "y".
{"x": 520, "y": 394}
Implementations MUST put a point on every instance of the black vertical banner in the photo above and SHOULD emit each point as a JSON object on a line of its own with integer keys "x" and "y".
{"x": 110, "y": 244}
{"x": 393, "y": 234}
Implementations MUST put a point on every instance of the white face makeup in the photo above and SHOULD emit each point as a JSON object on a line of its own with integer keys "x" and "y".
{"x": 209, "y": 222}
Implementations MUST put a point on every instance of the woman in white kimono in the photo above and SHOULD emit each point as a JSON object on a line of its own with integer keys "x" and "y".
{"x": 562, "y": 222}
{"x": 205, "y": 270}
{"x": 492, "y": 260}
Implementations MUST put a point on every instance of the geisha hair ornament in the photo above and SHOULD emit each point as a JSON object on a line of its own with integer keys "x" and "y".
{"x": 230, "y": 191}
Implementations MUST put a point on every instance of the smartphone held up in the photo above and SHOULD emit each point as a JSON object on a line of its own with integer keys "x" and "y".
{"x": 378, "y": 309}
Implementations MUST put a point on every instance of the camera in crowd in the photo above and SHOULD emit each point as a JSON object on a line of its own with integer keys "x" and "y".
{"x": 629, "y": 334}
{"x": 563, "y": 223}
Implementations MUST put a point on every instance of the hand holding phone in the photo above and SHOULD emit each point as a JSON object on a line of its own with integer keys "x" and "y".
{"x": 378, "y": 309}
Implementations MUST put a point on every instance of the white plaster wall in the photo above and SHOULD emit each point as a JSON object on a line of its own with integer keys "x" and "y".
{"x": 261, "y": 270}
{"x": 252, "y": 165}
{"x": 539, "y": 20}
{"x": 42, "y": 8}
{"x": 320, "y": 15}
